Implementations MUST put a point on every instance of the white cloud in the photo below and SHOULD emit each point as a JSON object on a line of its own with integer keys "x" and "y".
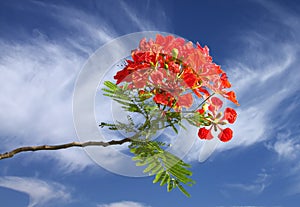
{"x": 40, "y": 192}
{"x": 255, "y": 187}
{"x": 36, "y": 86}
{"x": 92, "y": 33}
{"x": 261, "y": 93}
{"x": 142, "y": 24}
{"x": 287, "y": 148}
{"x": 158, "y": 16}
{"x": 273, "y": 92}
{"x": 252, "y": 188}
{"x": 123, "y": 204}
{"x": 37, "y": 78}
{"x": 264, "y": 75}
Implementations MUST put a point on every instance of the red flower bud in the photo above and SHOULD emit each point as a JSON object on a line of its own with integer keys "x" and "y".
{"x": 225, "y": 135}
{"x": 201, "y": 111}
{"x": 230, "y": 115}
{"x": 231, "y": 96}
{"x": 204, "y": 133}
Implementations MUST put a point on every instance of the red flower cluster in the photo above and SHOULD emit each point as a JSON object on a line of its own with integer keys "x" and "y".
{"x": 216, "y": 119}
{"x": 171, "y": 70}
{"x": 173, "y": 60}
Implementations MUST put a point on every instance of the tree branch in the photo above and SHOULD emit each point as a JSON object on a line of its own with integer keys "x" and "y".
{"x": 62, "y": 146}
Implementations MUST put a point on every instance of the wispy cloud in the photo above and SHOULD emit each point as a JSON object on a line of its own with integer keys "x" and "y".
{"x": 252, "y": 188}
{"x": 138, "y": 18}
{"x": 38, "y": 74}
{"x": 255, "y": 187}
{"x": 264, "y": 75}
{"x": 267, "y": 81}
{"x": 36, "y": 96}
{"x": 287, "y": 149}
{"x": 37, "y": 82}
{"x": 89, "y": 31}
{"x": 123, "y": 204}
{"x": 40, "y": 192}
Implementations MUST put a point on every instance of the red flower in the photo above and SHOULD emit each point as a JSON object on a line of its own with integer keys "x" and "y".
{"x": 202, "y": 90}
{"x": 171, "y": 69}
{"x": 140, "y": 78}
{"x": 204, "y": 133}
{"x": 164, "y": 99}
{"x": 225, "y": 135}
{"x": 190, "y": 79}
{"x": 224, "y": 80}
{"x": 201, "y": 111}
{"x": 121, "y": 75}
{"x": 144, "y": 45}
{"x": 168, "y": 43}
{"x": 191, "y": 64}
{"x": 231, "y": 96}
{"x": 216, "y": 121}
{"x": 214, "y": 105}
{"x": 173, "y": 66}
{"x": 230, "y": 115}
{"x": 141, "y": 57}
{"x": 157, "y": 77}
{"x": 185, "y": 100}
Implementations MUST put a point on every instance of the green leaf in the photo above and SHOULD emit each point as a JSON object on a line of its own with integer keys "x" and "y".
{"x": 182, "y": 178}
{"x": 159, "y": 176}
{"x": 125, "y": 103}
{"x": 174, "y": 128}
{"x": 111, "y": 85}
{"x": 151, "y": 166}
{"x": 183, "y": 190}
{"x": 167, "y": 168}
{"x": 141, "y": 163}
{"x": 183, "y": 170}
{"x": 108, "y": 92}
{"x": 175, "y": 160}
{"x": 170, "y": 185}
{"x": 132, "y": 108}
{"x": 157, "y": 169}
{"x": 172, "y": 158}
{"x": 165, "y": 179}
{"x": 182, "y": 126}
{"x": 136, "y": 158}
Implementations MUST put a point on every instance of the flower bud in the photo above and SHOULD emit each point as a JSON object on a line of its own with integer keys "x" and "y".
{"x": 175, "y": 53}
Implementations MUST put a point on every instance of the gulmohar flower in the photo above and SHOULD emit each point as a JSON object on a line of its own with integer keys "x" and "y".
{"x": 165, "y": 80}
{"x": 225, "y": 135}
{"x": 216, "y": 120}
{"x": 175, "y": 73}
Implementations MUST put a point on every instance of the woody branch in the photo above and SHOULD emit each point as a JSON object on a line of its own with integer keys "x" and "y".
{"x": 62, "y": 146}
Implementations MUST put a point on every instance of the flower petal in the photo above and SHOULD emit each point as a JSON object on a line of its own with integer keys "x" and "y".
{"x": 204, "y": 133}
{"x": 225, "y": 135}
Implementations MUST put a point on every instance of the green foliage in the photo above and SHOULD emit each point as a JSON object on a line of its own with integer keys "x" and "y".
{"x": 128, "y": 98}
{"x": 166, "y": 168}
{"x": 197, "y": 119}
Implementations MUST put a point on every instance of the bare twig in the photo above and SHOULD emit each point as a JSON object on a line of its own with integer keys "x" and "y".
{"x": 62, "y": 146}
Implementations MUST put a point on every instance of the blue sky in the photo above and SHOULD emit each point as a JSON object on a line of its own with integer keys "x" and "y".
{"x": 45, "y": 44}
